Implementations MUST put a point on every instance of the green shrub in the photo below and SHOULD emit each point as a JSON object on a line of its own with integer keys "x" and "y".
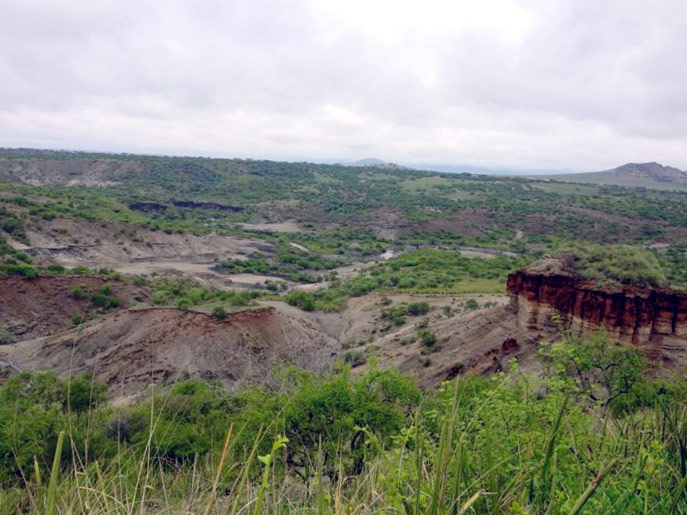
{"x": 429, "y": 340}
{"x": 219, "y": 313}
{"x": 471, "y": 304}
{"x": 626, "y": 265}
{"x": 354, "y": 358}
{"x": 303, "y": 300}
{"x": 103, "y": 301}
{"x": 77, "y": 292}
{"x": 78, "y": 319}
{"x": 418, "y": 308}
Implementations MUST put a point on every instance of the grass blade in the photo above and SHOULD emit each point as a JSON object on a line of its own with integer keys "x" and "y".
{"x": 592, "y": 488}
{"x": 52, "y": 487}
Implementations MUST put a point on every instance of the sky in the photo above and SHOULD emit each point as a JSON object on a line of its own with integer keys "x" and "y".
{"x": 570, "y": 85}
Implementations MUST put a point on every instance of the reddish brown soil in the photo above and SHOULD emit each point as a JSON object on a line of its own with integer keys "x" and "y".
{"x": 44, "y": 306}
{"x": 652, "y": 318}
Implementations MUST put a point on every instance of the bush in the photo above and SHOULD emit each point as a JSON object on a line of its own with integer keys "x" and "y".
{"x": 21, "y": 270}
{"x": 300, "y": 299}
{"x": 429, "y": 340}
{"x": 626, "y": 265}
{"x": 219, "y": 313}
{"x": 418, "y": 308}
{"x": 78, "y": 319}
{"x": 83, "y": 392}
{"x": 471, "y": 304}
{"x": 33, "y": 406}
{"x": 354, "y": 358}
{"x": 77, "y": 292}
{"x": 104, "y": 301}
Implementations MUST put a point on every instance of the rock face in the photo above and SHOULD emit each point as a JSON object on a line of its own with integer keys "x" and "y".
{"x": 629, "y": 315}
{"x": 210, "y": 206}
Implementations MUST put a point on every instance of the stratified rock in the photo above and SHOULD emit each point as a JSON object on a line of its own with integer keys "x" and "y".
{"x": 628, "y": 314}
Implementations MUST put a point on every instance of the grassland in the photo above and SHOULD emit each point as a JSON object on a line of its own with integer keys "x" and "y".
{"x": 568, "y": 442}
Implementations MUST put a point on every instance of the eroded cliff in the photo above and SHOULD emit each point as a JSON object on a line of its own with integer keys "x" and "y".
{"x": 545, "y": 300}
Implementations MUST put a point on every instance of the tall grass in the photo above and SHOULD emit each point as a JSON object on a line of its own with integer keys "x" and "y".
{"x": 498, "y": 445}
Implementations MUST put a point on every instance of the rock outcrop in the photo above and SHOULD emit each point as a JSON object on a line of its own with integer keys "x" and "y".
{"x": 544, "y": 300}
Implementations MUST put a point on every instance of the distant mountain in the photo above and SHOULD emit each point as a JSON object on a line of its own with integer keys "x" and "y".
{"x": 377, "y": 163}
{"x": 647, "y": 175}
{"x": 368, "y": 161}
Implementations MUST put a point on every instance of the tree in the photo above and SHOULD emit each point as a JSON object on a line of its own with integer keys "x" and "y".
{"x": 595, "y": 367}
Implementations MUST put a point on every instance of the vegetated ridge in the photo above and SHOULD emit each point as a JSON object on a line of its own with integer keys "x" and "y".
{"x": 643, "y": 175}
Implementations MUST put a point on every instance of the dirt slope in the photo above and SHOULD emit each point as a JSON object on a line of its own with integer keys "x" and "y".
{"x": 68, "y": 171}
{"x": 133, "y": 249}
{"x": 133, "y": 348}
{"x": 44, "y": 305}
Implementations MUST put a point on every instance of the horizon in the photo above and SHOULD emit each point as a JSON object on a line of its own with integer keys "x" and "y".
{"x": 448, "y": 168}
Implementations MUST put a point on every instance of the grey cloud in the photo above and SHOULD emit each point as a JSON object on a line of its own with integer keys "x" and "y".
{"x": 587, "y": 85}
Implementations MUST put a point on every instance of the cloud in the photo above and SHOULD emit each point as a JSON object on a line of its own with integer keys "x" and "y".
{"x": 567, "y": 84}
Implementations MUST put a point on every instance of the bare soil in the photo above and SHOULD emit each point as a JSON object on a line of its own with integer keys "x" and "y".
{"x": 135, "y": 250}
{"x": 45, "y": 305}
{"x": 287, "y": 226}
{"x": 132, "y": 348}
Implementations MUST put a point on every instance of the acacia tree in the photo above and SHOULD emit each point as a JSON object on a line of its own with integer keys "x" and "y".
{"x": 594, "y": 367}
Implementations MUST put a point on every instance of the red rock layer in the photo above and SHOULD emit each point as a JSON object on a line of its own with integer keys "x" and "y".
{"x": 628, "y": 314}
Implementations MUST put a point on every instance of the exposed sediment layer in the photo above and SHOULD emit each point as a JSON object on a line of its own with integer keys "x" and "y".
{"x": 628, "y": 314}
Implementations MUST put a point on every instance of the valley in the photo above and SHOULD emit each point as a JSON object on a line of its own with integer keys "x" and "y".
{"x": 162, "y": 300}
{"x": 336, "y": 289}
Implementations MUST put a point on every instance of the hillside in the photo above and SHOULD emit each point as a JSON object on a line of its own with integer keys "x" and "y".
{"x": 344, "y": 255}
{"x": 632, "y": 175}
{"x": 150, "y": 305}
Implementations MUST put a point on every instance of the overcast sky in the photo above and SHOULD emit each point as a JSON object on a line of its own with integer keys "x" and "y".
{"x": 550, "y": 84}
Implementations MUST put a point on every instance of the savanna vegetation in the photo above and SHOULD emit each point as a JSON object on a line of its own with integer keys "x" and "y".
{"x": 340, "y": 209}
{"x": 625, "y": 265}
{"x": 341, "y": 214}
{"x": 430, "y": 271}
{"x": 592, "y": 435}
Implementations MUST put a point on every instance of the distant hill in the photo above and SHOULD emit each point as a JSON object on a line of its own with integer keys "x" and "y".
{"x": 368, "y": 161}
{"x": 373, "y": 162}
{"x": 647, "y": 175}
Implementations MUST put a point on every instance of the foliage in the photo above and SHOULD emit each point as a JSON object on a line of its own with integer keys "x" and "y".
{"x": 534, "y": 446}
{"x": 187, "y": 293}
{"x": 429, "y": 340}
{"x": 419, "y": 271}
{"x": 625, "y": 265}
{"x": 596, "y": 368}
{"x": 219, "y": 313}
{"x": 471, "y": 304}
